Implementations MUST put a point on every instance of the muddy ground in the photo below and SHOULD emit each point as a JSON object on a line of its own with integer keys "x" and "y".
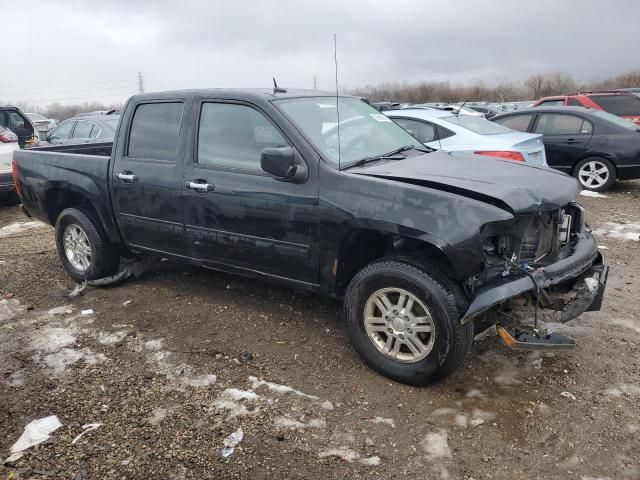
{"x": 157, "y": 366}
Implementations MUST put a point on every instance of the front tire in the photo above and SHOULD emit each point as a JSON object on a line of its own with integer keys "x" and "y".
{"x": 403, "y": 318}
{"x": 595, "y": 174}
{"x": 83, "y": 247}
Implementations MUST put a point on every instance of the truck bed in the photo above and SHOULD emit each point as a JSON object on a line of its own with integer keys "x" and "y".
{"x": 48, "y": 176}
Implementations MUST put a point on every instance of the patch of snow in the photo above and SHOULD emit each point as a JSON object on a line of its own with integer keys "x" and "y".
{"x": 435, "y": 445}
{"x": 153, "y": 345}
{"x": 278, "y": 388}
{"x": 63, "y": 310}
{"x": 230, "y": 399}
{"x": 287, "y": 422}
{"x": 386, "y": 421}
{"x": 622, "y": 231}
{"x": 460, "y": 420}
{"x": 157, "y": 416}
{"x": 52, "y": 339}
{"x": 106, "y": 338}
{"x": 326, "y": 405}
{"x": 343, "y": 452}
{"x": 200, "y": 380}
{"x": 623, "y": 389}
{"x": 589, "y": 193}
{"x": 439, "y": 412}
{"x": 475, "y": 393}
{"x": 371, "y": 461}
{"x": 8, "y": 309}
{"x": 19, "y": 227}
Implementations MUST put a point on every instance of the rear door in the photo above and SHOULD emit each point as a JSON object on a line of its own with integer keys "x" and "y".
{"x": 62, "y": 133}
{"x": 146, "y": 177}
{"x": 236, "y": 214}
{"x": 565, "y": 138}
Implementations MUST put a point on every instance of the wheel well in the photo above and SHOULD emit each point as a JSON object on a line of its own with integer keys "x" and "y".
{"x": 363, "y": 246}
{"x": 58, "y": 200}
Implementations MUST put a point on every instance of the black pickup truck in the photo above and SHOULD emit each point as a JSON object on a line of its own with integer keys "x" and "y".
{"x": 420, "y": 245}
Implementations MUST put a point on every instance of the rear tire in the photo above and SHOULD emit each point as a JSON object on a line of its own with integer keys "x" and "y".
{"x": 595, "y": 174}
{"x": 83, "y": 247}
{"x": 443, "y": 348}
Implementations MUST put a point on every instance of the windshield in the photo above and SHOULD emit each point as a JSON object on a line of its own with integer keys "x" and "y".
{"x": 619, "y": 121}
{"x": 477, "y": 124}
{"x": 36, "y": 116}
{"x": 364, "y": 132}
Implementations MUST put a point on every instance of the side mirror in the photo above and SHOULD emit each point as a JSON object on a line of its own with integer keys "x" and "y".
{"x": 281, "y": 163}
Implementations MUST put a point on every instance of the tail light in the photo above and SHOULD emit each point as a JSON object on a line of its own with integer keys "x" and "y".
{"x": 14, "y": 172}
{"x": 515, "y": 156}
{"x": 7, "y": 136}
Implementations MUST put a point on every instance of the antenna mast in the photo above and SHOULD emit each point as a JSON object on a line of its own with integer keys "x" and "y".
{"x": 335, "y": 60}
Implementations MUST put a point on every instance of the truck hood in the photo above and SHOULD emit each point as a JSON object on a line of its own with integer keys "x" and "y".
{"x": 513, "y": 186}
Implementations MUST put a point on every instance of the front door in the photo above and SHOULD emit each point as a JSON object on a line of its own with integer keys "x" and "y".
{"x": 565, "y": 138}
{"x": 146, "y": 178}
{"x": 236, "y": 214}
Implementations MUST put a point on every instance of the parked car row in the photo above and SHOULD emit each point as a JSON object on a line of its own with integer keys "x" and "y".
{"x": 453, "y": 132}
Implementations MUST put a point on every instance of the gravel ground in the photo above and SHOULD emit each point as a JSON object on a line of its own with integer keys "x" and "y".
{"x": 160, "y": 365}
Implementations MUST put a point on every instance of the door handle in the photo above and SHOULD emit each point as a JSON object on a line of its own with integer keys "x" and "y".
{"x": 127, "y": 177}
{"x": 200, "y": 186}
{"x": 572, "y": 140}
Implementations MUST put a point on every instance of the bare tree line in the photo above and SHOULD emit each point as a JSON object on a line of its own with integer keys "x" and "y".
{"x": 62, "y": 112}
{"x": 532, "y": 88}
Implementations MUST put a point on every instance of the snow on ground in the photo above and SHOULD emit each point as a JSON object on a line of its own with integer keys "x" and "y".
{"x": 589, "y": 193}
{"x": 19, "y": 227}
{"x": 622, "y": 231}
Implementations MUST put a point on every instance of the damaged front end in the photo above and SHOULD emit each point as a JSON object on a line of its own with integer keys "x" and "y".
{"x": 547, "y": 259}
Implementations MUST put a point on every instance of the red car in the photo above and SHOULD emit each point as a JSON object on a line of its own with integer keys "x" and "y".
{"x": 625, "y": 105}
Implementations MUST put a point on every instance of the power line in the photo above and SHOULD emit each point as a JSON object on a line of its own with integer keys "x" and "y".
{"x": 63, "y": 84}
{"x": 123, "y": 87}
{"x": 65, "y": 99}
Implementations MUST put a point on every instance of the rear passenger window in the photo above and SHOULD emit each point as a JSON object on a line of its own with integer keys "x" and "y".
{"x": 516, "y": 122}
{"x": 443, "y": 132}
{"x": 155, "y": 130}
{"x": 233, "y": 136}
{"x": 559, "y": 124}
{"x": 82, "y": 130}
{"x": 423, "y": 131}
{"x": 572, "y": 102}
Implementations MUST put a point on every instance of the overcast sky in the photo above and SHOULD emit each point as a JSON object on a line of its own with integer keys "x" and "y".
{"x": 74, "y": 51}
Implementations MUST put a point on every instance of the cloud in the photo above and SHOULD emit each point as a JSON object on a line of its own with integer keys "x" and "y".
{"x": 198, "y": 43}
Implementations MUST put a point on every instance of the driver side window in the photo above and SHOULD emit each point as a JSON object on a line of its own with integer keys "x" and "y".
{"x": 234, "y": 136}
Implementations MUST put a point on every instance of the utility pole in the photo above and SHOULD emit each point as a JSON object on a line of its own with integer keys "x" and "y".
{"x": 140, "y": 83}
{"x": 315, "y": 82}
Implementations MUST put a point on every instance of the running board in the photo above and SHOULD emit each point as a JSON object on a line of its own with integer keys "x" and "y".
{"x": 532, "y": 340}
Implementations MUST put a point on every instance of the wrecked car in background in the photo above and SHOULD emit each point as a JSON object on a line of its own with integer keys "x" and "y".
{"x": 269, "y": 184}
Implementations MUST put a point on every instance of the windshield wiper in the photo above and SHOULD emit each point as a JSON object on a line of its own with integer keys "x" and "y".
{"x": 392, "y": 155}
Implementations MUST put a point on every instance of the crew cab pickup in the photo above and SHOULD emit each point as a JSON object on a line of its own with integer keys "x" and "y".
{"x": 419, "y": 245}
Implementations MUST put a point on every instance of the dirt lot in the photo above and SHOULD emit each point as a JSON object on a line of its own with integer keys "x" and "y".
{"x": 157, "y": 366}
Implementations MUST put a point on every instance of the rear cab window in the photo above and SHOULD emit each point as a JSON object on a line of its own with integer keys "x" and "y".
{"x": 154, "y": 131}
{"x": 620, "y": 105}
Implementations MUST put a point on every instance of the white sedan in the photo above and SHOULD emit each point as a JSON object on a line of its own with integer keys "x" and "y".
{"x": 444, "y": 130}
{"x": 8, "y": 145}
